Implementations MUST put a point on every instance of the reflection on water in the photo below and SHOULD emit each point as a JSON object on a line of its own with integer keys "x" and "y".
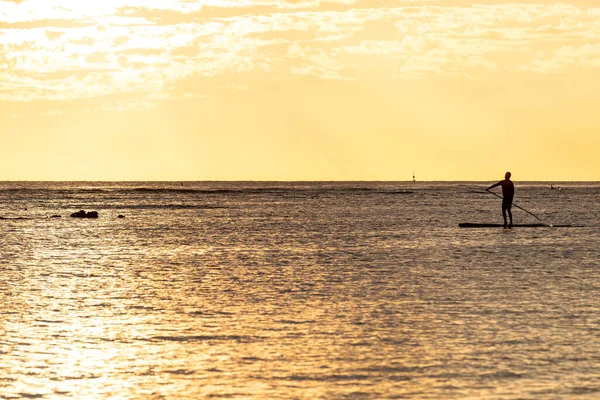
{"x": 296, "y": 290}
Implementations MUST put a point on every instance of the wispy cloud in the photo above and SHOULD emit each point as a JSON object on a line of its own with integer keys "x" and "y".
{"x": 52, "y": 113}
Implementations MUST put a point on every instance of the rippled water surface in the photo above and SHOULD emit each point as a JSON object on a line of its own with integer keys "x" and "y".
{"x": 297, "y": 290}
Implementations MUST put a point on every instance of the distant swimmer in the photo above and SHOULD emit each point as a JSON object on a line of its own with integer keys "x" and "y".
{"x": 508, "y": 193}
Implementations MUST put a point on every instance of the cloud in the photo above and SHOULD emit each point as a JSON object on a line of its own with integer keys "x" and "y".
{"x": 68, "y": 49}
{"x": 52, "y": 113}
{"x": 565, "y": 56}
{"x": 449, "y": 41}
{"x": 315, "y": 62}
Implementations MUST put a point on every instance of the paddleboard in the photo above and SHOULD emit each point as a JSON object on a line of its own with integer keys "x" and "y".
{"x": 476, "y": 225}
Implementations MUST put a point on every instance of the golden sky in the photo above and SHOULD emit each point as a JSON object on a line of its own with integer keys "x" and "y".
{"x": 299, "y": 90}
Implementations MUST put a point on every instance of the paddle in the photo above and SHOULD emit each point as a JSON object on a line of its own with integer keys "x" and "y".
{"x": 528, "y": 212}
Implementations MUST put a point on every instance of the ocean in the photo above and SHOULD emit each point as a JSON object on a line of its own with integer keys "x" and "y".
{"x": 307, "y": 290}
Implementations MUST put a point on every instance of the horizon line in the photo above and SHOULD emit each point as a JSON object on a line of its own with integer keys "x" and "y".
{"x": 300, "y": 181}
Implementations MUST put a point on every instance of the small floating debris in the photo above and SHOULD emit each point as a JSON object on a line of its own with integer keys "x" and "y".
{"x": 120, "y": 216}
{"x": 83, "y": 214}
{"x": 56, "y": 216}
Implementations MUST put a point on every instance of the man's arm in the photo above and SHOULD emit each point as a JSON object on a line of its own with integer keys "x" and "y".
{"x": 494, "y": 185}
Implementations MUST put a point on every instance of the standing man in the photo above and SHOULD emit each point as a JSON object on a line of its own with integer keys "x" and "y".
{"x": 508, "y": 193}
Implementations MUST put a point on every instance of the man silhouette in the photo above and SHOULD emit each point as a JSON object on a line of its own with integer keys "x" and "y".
{"x": 508, "y": 193}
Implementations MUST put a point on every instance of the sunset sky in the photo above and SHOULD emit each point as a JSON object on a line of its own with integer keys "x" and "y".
{"x": 299, "y": 90}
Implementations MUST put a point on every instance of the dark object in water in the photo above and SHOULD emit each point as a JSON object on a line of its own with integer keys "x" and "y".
{"x": 56, "y": 216}
{"x": 471, "y": 225}
{"x": 83, "y": 214}
{"x": 120, "y": 216}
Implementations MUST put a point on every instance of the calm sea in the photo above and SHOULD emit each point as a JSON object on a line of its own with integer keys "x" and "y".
{"x": 297, "y": 290}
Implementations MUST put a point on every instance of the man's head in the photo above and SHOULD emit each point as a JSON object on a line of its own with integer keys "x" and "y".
{"x": 507, "y": 175}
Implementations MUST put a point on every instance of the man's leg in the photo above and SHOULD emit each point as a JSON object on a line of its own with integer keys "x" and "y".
{"x": 504, "y": 216}
{"x": 510, "y": 216}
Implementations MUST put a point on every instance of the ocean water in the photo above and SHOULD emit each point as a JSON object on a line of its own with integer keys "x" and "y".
{"x": 297, "y": 290}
